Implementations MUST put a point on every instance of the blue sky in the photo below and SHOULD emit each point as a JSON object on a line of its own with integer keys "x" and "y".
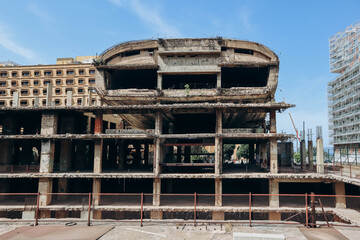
{"x": 37, "y": 32}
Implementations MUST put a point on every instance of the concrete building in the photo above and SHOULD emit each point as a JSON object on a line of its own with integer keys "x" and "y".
{"x": 344, "y": 94}
{"x": 168, "y": 110}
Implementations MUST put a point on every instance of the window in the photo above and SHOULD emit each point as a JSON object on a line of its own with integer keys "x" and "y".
{"x": 37, "y": 73}
{"x": 58, "y": 82}
{"x": 2, "y": 103}
{"x": 12, "y": 92}
{"x": 58, "y": 72}
{"x": 36, "y": 92}
{"x": 48, "y": 73}
{"x": 68, "y": 89}
{"x": 44, "y": 102}
{"x": 81, "y": 71}
{"x": 91, "y": 80}
{"x": 25, "y": 83}
{"x": 70, "y": 72}
{"x": 57, "y": 102}
{"x": 3, "y": 74}
{"x": 3, "y": 83}
{"x": 58, "y": 91}
{"x": 92, "y": 71}
{"x": 24, "y": 92}
{"x": 44, "y": 91}
{"x": 79, "y": 101}
{"x": 69, "y": 81}
{"x": 36, "y": 82}
{"x": 23, "y": 103}
{"x": 2, "y": 92}
{"x": 81, "y": 81}
{"x": 47, "y": 82}
{"x": 80, "y": 90}
{"x": 14, "y": 74}
{"x": 25, "y": 74}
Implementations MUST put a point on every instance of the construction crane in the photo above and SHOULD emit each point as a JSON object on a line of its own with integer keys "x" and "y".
{"x": 297, "y": 133}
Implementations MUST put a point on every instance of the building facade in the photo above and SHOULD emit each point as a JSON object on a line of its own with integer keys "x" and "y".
{"x": 168, "y": 110}
{"x": 344, "y": 94}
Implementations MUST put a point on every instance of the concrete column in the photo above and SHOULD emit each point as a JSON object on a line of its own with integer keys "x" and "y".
{"x": 98, "y": 143}
{"x": 272, "y": 121}
{"x": 218, "y": 80}
{"x": 310, "y": 155}
{"x": 340, "y": 190}
{"x": 15, "y": 102}
{"x": 49, "y": 94}
{"x": 218, "y": 143}
{"x": 319, "y": 156}
{"x": 156, "y": 191}
{"x": 69, "y": 98}
{"x": 48, "y": 127}
{"x": 263, "y": 155}
{"x": 218, "y": 192}
{"x": 45, "y": 186}
{"x": 303, "y": 155}
{"x": 96, "y": 198}
{"x": 158, "y": 145}
{"x": 273, "y": 156}
{"x": 156, "y": 199}
{"x": 274, "y": 200}
{"x": 159, "y": 81}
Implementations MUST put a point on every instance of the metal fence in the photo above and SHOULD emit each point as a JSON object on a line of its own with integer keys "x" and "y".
{"x": 297, "y": 209}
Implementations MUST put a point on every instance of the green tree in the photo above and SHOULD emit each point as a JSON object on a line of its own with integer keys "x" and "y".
{"x": 228, "y": 151}
{"x": 243, "y": 151}
{"x": 296, "y": 157}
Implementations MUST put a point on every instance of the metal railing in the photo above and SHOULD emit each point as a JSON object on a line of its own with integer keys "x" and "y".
{"x": 296, "y": 206}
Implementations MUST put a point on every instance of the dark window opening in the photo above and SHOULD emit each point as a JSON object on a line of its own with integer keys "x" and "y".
{"x": 189, "y": 81}
{"x": 37, "y": 73}
{"x": 36, "y": 82}
{"x": 244, "y": 51}
{"x": 140, "y": 79}
{"x": 244, "y": 77}
{"x": 130, "y": 53}
{"x": 194, "y": 123}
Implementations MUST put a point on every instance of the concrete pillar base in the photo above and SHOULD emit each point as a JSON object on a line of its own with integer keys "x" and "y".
{"x": 28, "y": 215}
{"x": 45, "y": 214}
{"x": 84, "y": 214}
{"x": 61, "y": 214}
{"x": 275, "y": 216}
{"x": 97, "y": 214}
{"x": 156, "y": 215}
{"x": 219, "y": 216}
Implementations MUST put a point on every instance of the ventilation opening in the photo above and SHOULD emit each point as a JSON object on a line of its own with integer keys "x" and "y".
{"x": 130, "y": 53}
{"x": 244, "y": 51}
{"x": 189, "y": 81}
{"x": 244, "y": 77}
{"x": 140, "y": 79}
{"x": 194, "y": 123}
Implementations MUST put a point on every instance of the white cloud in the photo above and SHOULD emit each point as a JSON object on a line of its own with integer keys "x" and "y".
{"x": 40, "y": 13}
{"x": 9, "y": 44}
{"x": 150, "y": 16}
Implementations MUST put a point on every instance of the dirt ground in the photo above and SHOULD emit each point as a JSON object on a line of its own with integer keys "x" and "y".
{"x": 201, "y": 232}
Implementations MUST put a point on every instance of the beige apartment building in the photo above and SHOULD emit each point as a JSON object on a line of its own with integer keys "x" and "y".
{"x": 32, "y": 83}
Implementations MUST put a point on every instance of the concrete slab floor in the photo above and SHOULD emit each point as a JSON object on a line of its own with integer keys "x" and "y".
{"x": 188, "y": 231}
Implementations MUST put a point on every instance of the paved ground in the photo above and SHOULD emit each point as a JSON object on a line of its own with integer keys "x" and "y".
{"x": 204, "y": 231}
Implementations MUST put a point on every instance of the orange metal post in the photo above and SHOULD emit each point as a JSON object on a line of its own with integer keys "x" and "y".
{"x": 250, "y": 209}
{"x": 195, "y": 209}
{"x": 141, "y": 209}
{"x": 306, "y": 210}
{"x": 89, "y": 209}
{"x": 37, "y": 209}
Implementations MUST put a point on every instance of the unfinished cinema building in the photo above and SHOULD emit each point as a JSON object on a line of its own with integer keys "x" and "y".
{"x": 157, "y": 139}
